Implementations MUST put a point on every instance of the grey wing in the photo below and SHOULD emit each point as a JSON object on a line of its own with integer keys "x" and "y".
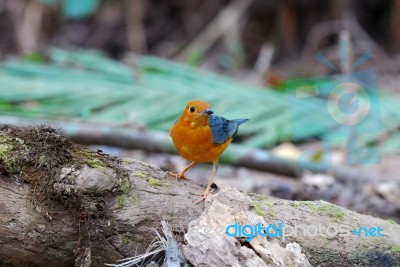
{"x": 222, "y": 128}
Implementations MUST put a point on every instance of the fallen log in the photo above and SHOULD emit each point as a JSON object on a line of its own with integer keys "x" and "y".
{"x": 62, "y": 205}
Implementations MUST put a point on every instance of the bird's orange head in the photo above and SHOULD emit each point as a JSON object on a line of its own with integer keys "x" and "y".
{"x": 196, "y": 112}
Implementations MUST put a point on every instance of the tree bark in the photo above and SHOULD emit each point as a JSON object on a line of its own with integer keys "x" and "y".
{"x": 100, "y": 211}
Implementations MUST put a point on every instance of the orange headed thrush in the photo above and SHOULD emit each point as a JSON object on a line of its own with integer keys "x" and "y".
{"x": 200, "y": 136}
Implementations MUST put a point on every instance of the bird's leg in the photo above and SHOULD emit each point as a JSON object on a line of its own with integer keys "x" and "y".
{"x": 181, "y": 175}
{"x": 207, "y": 191}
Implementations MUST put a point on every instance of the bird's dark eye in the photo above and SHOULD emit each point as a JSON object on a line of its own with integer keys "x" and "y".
{"x": 192, "y": 109}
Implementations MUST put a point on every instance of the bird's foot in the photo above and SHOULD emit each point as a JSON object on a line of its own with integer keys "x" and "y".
{"x": 203, "y": 195}
{"x": 178, "y": 175}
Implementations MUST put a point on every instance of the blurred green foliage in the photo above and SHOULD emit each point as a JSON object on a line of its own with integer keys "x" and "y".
{"x": 195, "y": 58}
{"x": 88, "y": 86}
{"x": 33, "y": 58}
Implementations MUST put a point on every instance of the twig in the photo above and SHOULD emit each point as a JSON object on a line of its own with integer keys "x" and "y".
{"x": 224, "y": 23}
{"x": 27, "y": 20}
{"x": 135, "y": 27}
{"x": 262, "y": 65}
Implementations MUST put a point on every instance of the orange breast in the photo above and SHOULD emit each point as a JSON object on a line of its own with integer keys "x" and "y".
{"x": 196, "y": 144}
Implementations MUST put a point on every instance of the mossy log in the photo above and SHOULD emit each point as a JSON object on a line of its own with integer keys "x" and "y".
{"x": 62, "y": 205}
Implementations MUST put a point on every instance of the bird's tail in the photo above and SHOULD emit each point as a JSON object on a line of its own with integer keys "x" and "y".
{"x": 239, "y": 121}
{"x": 234, "y": 126}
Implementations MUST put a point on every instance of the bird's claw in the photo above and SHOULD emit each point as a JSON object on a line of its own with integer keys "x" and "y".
{"x": 178, "y": 176}
{"x": 200, "y": 200}
{"x": 203, "y": 195}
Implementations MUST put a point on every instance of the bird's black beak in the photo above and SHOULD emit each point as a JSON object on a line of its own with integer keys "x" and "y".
{"x": 208, "y": 112}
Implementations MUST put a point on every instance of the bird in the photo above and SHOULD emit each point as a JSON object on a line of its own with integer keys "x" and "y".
{"x": 200, "y": 136}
